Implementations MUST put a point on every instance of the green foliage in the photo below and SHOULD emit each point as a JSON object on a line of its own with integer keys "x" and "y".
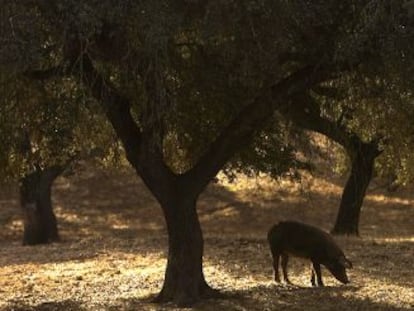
{"x": 189, "y": 67}
{"x": 45, "y": 124}
{"x": 270, "y": 152}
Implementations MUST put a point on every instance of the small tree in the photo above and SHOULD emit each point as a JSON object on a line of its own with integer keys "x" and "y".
{"x": 361, "y": 154}
{"x": 41, "y": 137}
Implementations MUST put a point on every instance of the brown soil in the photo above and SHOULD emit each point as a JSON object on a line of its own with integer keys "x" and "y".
{"x": 113, "y": 252}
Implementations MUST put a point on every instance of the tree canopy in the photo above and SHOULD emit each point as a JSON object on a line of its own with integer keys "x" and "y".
{"x": 190, "y": 66}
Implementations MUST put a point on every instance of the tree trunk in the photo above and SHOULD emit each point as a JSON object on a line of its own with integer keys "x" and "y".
{"x": 184, "y": 282}
{"x": 363, "y": 157}
{"x": 40, "y": 225}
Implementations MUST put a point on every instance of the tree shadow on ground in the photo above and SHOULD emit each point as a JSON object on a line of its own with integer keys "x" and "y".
{"x": 82, "y": 250}
{"x": 67, "y": 305}
{"x": 41, "y": 254}
{"x": 308, "y": 298}
{"x": 390, "y": 262}
{"x": 271, "y": 297}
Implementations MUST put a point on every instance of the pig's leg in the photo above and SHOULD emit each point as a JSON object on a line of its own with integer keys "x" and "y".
{"x": 285, "y": 259}
{"x": 317, "y": 271}
{"x": 276, "y": 257}
{"x": 312, "y": 276}
{"x": 276, "y": 268}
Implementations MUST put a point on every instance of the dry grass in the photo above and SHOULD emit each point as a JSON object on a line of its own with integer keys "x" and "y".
{"x": 113, "y": 252}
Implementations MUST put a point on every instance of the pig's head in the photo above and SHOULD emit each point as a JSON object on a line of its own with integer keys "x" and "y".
{"x": 338, "y": 268}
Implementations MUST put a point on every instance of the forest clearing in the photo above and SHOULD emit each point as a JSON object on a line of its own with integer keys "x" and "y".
{"x": 151, "y": 151}
{"x": 114, "y": 247}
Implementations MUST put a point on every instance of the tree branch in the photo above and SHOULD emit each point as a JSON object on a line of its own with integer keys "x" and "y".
{"x": 46, "y": 74}
{"x": 306, "y": 116}
{"x": 310, "y": 119}
{"x": 249, "y": 120}
{"x": 140, "y": 150}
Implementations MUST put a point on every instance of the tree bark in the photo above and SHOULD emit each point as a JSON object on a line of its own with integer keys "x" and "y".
{"x": 40, "y": 225}
{"x": 184, "y": 282}
{"x": 363, "y": 156}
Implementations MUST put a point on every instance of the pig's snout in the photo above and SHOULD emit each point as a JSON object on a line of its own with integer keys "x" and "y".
{"x": 345, "y": 280}
{"x": 339, "y": 272}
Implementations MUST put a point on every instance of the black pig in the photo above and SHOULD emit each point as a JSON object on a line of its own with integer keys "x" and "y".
{"x": 302, "y": 240}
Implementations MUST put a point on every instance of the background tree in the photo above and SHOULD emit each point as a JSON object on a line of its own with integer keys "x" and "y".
{"x": 374, "y": 114}
{"x": 35, "y": 151}
{"x": 43, "y": 132}
{"x": 361, "y": 154}
{"x": 356, "y": 109}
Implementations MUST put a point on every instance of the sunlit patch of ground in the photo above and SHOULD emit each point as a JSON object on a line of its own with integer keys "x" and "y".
{"x": 113, "y": 252}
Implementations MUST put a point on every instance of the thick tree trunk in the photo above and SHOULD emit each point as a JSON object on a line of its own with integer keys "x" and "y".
{"x": 184, "y": 282}
{"x": 363, "y": 157}
{"x": 40, "y": 225}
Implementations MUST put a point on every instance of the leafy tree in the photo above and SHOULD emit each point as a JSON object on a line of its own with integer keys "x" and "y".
{"x": 42, "y": 135}
{"x": 41, "y": 140}
{"x": 35, "y": 151}
{"x": 362, "y": 155}
{"x": 358, "y": 110}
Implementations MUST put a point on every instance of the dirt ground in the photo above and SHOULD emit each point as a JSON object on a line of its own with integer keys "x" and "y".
{"x": 113, "y": 252}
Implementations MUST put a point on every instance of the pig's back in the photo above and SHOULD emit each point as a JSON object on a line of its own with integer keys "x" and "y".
{"x": 303, "y": 240}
